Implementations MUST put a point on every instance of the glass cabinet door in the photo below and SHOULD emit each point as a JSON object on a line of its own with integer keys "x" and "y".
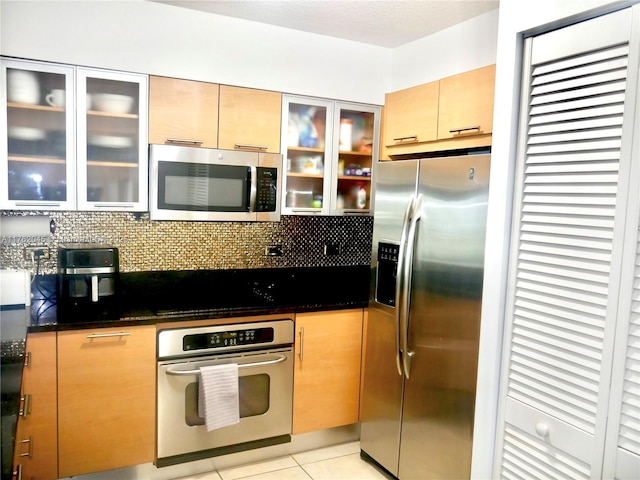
{"x": 36, "y": 135}
{"x": 306, "y": 146}
{"x": 356, "y": 147}
{"x": 112, "y": 146}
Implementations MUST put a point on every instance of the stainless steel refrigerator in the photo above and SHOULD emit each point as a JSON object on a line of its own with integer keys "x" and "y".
{"x": 424, "y": 315}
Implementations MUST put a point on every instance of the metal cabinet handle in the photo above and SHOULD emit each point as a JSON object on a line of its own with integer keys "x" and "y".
{"x": 280, "y": 359}
{"x": 29, "y": 441}
{"x": 27, "y": 360}
{"x": 185, "y": 141}
{"x": 39, "y": 204}
{"x": 408, "y": 137}
{"x": 123, "y": 206}
{"x": 301, "y": 350}
{"x": 106, "y": 335}
{"x": 25, "y": 405}
{"x": 17, "y": 473}
{"x": 249, "y": 146}
{"x": 464, "y": 129}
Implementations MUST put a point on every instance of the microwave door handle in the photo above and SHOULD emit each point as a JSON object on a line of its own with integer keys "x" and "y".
{"x": 253, "y": 187}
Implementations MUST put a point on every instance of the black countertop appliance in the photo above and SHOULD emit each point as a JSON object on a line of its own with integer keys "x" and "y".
{"x": 87, "y": 283}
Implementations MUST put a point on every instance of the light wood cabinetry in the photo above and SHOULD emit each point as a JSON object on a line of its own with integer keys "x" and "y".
{"x": 327, "y": 369}
{"x": 465, "y": 106}
{"x": 106, "y": 398}
{"x": 453, "y": 113}
{"x": 36, "y": 452}
{"x": 411, "y": 115}
{"x": 249, "y": 119}
{"x": 183, "y": 111}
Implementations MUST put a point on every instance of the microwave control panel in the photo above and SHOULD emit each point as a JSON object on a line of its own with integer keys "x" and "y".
{"x": 266, "y": 190}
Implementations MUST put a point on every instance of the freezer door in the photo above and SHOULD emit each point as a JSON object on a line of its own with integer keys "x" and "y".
{"x": 444, "y": 319}
{"x": 383, "y": 384}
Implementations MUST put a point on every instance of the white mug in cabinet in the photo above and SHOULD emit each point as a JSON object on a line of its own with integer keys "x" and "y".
{"x": 56, "y": 98}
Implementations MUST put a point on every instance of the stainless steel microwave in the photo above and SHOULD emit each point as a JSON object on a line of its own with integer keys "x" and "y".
{"x": 204, "y": 184}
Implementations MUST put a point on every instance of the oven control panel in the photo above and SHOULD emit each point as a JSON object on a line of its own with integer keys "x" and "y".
{"x": 189, "y": 341}
{"x": 228, "y": 338}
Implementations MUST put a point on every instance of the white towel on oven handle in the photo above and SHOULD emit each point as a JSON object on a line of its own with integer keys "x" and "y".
{"x": 218, "y": 397}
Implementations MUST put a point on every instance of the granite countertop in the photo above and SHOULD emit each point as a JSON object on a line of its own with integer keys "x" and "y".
{"x": 162, "y": 296}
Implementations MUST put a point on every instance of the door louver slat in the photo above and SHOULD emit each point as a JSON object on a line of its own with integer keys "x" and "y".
{"x": 526, "y": 457}
{"x": 563, "y": 259}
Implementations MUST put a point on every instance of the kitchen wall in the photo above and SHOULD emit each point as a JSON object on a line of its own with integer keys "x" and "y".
{"x": 516, "y": 19}
{"x": 153, "y": 38}
{"x": 146, "y": 245}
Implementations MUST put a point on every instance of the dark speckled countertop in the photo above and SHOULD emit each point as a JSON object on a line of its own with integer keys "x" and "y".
{"x": 155, "y": 297}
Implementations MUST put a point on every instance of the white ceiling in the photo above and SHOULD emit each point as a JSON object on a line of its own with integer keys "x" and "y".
{"x": 385, "y": 23}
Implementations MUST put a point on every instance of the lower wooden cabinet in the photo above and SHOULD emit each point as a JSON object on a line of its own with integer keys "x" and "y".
{"x": 106, "y": 398}
{"x": 36, "y": 452}
{"x": 326, "y": 388}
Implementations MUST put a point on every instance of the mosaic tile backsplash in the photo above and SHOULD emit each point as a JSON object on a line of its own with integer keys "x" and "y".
{"x": 146, "y": 245}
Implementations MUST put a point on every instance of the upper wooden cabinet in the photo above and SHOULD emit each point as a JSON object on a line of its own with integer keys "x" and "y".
{"x": 106, "y": 398}
{"x": 411, "y": 115}
{"x": 466, "y": 103}
{"x": 183, "y": 111}
{"x": 452, "y": 113}
{"x": 249, "y": 119}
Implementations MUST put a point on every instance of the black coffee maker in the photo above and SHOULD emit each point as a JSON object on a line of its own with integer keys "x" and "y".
{"x": 87, "y": 283}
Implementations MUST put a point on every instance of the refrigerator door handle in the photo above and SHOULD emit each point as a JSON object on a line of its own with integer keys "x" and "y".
{"x": 401, "y": 284}
{"x": 408, "y": 266}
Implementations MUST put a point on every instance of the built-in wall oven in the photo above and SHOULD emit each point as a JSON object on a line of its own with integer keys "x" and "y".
{"x": 264, "y": 354}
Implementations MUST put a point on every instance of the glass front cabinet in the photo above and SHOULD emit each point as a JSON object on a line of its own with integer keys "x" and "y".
{"x": 330, "y": 149}
{"x": 72, "y": 138}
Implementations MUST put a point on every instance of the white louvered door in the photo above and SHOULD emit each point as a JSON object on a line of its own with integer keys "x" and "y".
{"x": 566, "y": 255}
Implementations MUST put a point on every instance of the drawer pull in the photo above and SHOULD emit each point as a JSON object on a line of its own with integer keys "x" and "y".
{"x": 542, "y": 429}
{"x": 107, "y": 335}
{"x": 249, "y": 146}
{"x": 464, "y": 129}
{"x": 301, "y": 353}
{"x": 185, "y": 141}
{"x": 25, "y": 404}
{"x": 17, "y": 473}
{"x": 410, "y": 137}
{"x": 29, "y": 452}
{"x": 27, "y": 360}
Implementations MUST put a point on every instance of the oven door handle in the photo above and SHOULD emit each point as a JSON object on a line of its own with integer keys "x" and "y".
{"x": 280, "y": 359}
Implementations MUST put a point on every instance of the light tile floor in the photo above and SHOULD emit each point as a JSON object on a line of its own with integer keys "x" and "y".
{"x": 338, "y": 462}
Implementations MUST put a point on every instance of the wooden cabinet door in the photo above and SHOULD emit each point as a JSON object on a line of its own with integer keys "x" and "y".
{"x": 36, "y": 453}
{"x": 411, "y": 115}
{"x": 106, "y": 398}
{"x": 326, "y": 389}
{"x": 466, "y": 103}
{"x": 249, "y": 119}
{"x": 183, "y": 111}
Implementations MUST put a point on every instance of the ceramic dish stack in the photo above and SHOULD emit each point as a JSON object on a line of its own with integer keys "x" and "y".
{"x": 112, "y": 103}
